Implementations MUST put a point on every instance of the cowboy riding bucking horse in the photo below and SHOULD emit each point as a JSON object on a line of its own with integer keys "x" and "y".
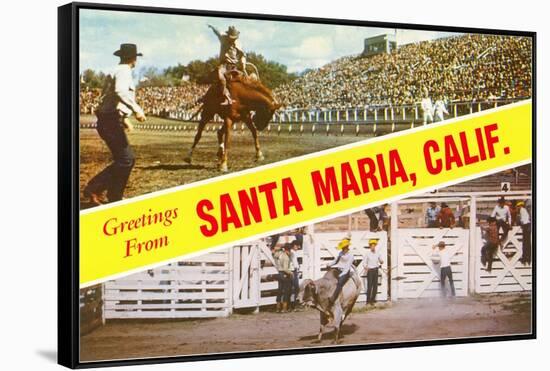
{"x": 234, "y": 96}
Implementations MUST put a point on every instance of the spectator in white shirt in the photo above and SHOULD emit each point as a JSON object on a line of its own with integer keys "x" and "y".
{"x": 525, "y": 223}
{"x": 342, "y": 264}
{"x": 502, "y": 214}
{"x": 445, "y": 268}
{"x": 440, "y": 110}
{"x": 372, "y": 261}
{"x": 427, "y": 108}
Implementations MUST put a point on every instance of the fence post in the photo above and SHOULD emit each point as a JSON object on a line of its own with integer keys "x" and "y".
{"x": 472, "y": 256}
{"x": 230, "y": 282}
{"x": 394, "y": 250}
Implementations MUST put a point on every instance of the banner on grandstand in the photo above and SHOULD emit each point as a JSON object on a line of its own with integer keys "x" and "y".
{"x": 168, "y": 225}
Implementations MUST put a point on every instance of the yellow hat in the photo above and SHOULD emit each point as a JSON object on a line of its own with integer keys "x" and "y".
{"x": 344, "y": 243}
{"x": 521, "y": 203}
{"x": 373, "y": 241}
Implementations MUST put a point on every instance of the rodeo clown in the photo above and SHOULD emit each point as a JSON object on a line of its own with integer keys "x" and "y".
{"x": 343, "y": 263}
{"x": 118, "y": 103}
{"x": 231, "y": 56}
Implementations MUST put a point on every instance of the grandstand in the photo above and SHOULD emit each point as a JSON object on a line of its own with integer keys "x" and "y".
{"x": 462, "y": 68}
{"x": 466, "y": 68}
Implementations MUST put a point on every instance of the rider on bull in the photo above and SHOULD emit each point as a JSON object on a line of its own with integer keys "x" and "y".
{"x": 343, "y": 263}
{"x": 231, "y": 56}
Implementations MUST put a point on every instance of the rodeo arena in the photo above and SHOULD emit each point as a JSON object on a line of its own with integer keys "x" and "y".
{"x": 235, "y": 300}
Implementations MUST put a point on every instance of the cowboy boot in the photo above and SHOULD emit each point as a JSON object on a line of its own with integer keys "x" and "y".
{"x": 93, "y": 198}
{"x": 227, "y": 97}
{"x": 285, "y": 307}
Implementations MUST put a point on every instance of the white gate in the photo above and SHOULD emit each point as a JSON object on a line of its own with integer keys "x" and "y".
{"x": 508, "y": 273}
{"x": 245, "y": 275}
{"x": 417, "y": 276}
{"x": 194, "y": 288}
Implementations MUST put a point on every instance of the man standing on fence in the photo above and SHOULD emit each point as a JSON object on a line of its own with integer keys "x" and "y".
{"x": 502, "y": 214}
{"x": 445, "y": 266}
{"x": 372, "y": 261}
{"x": 446, "y": 217}
{"x": 525, "y": 223}
{"x": 491, "y": 243}
{"x": 117, "y": 105}
{"x": 432, "y": 213}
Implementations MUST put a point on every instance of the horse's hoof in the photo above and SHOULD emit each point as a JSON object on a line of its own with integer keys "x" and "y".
{"x": 260, "y": 158}
{"x": 187, "y": 159}
{"x": 223, "y": 168}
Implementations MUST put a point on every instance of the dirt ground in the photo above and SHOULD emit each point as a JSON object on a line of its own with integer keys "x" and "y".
{"x": 405, "y": 320}
{"x": 159, "y": 155}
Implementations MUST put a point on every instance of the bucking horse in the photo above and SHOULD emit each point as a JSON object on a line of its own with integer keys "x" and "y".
{"x": 253, "y": 104}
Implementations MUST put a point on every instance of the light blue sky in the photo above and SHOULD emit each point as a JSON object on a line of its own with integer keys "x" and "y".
{"x": 166, "y": 40}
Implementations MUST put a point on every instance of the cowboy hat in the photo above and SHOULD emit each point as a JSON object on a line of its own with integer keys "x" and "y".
{"x": 232, "y": 32}
{"x": 373, "y": 241}
{"x": 344, "y": 243}
{"x": 127, "y": 50}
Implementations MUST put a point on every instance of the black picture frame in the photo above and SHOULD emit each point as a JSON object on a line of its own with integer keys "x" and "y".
{"x": 68, "y": 179}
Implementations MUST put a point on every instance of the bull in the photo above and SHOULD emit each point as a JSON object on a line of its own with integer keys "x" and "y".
{"x": 317, "y": 293}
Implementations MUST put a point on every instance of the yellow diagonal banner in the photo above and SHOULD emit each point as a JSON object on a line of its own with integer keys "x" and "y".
{"x": 121, "y": 238}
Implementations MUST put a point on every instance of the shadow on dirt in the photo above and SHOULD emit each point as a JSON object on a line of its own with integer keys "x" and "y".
{"x": 347, "y": 329}
{"x": 174, "y": 167}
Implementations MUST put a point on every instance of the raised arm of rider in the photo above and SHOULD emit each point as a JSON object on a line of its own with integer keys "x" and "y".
{"x": 215, "y": 31}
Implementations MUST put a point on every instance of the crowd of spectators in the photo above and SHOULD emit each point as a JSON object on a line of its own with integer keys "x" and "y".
{"x": 160, "y": 101}
{"x": 89, "y": 100}
{"x": 465, "y": 68}
{"x": 462, "y": 68}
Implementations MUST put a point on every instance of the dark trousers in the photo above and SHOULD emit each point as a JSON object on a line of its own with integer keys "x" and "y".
{"x": 295, "y": 285}
{"x": 487, "y": 255}
{"x": 341, "y": 282}
{"x": 526, "y": 242}
{"x": 505, "y": 228}
{"x": 372, "y": 285}
{"x": 446, "y": 272}
{"x": 114, "y": 177}
{"x": 285, "y": 286}
{"x": 433, "y": 224}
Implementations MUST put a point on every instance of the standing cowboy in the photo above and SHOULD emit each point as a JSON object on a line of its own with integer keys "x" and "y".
{"x": 231, "y": 56}
{"x": 525, "y": 223}
{"x": 502, "y": 214}
{"x": 372, "y": 261}
{"x": 445, "y": 266}
{"x": 342, "y": 264}
{"x": 118, "y": 103}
